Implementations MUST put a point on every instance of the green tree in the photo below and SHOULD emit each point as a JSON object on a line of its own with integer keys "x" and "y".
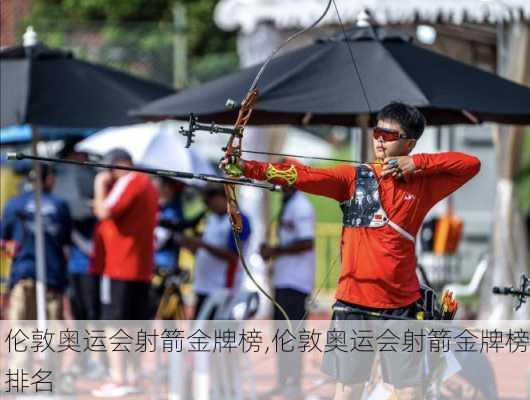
{"x": 137, "y": 35}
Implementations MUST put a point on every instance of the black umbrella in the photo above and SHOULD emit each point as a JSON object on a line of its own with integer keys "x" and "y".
{"x": 49, "y": 87}
{"x": 317, "y": 84}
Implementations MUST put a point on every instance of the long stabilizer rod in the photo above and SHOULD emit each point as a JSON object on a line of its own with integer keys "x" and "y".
{"x": 151, "y": 171}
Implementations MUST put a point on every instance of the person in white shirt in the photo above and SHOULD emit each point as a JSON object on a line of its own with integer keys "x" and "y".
{"x": 293, "y": 273}
{"x": 217, "y": 264}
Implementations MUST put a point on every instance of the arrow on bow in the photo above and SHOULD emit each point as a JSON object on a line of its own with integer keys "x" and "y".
{"x": 167, "y": 173}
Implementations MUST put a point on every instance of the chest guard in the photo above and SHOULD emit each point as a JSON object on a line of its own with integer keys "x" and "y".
{"x": 364, "y": 209}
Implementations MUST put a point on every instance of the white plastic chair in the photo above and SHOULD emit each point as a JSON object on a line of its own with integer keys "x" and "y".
{"x": 473, "y": 287}
{"x": 226, "y": 372}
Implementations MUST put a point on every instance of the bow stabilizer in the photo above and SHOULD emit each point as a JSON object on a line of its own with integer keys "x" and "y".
{"x": 521, "y": 293}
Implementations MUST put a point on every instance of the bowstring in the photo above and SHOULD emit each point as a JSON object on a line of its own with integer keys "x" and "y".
{"x": 253, "y": 87}
{"x": 365, "y": 96}
{"x": 313, "y": 299}
{"x": 350, "y": 50}
{"x": 239, "y": 248}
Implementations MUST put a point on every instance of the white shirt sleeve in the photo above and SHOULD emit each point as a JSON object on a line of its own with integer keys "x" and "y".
{"x": 304, "y": 218}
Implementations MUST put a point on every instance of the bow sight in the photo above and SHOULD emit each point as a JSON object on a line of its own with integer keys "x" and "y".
{"x": 521, "y": 293}
{"x": 194, "y": 126}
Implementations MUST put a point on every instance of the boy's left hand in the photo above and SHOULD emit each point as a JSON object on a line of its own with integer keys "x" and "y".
{"x": 232, "y": 166}
{"x": 398, "y": 167}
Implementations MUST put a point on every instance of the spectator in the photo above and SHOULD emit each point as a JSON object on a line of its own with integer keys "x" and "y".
{"x": 76, "y": 185}
{"x": 294, "y": 275}
{"x": 167, "y": 250}
{"x": 126, "y": 203}
{"x": 17, "y": 229}
{"x": 217, "y": 259}
{"x": 170, "y": 210}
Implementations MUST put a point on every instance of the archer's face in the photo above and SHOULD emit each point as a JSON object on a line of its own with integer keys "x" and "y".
{"x": 395, "y": 148}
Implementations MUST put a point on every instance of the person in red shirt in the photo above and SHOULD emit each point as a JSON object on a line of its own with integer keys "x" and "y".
{"x": 384, "y": 204}
{"x": 126, "y": 203}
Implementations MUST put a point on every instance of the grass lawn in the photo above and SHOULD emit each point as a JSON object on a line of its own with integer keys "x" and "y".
{"x": 523, "y": 178}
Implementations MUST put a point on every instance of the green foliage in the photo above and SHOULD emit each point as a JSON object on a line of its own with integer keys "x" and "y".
{"x": 211, "y": 66}
{"x": 138, "y": 35}
{"x": 105, "y": 10}
{"x": 203, "y": 35}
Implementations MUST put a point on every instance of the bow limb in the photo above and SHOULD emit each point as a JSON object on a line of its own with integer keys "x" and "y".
{"x": 352, "y": 57}
{"x": 233, "y": 151}
{"x": 282, "y": 45}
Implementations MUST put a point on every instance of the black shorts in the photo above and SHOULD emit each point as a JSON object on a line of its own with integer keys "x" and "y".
{"x": 84, "y": 296}
{"x": 293, "y": 302}
{"x": 129, "y": 300}
{"x": 400, "y": 369}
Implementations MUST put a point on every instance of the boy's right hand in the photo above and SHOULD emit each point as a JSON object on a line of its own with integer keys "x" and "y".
{"x": 398, "y": 166}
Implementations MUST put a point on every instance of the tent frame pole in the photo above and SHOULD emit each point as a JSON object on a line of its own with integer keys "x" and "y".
{"x": 38, "y": 227}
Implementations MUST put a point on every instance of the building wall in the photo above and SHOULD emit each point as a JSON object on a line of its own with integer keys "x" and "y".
{"x": 11, "y": 14}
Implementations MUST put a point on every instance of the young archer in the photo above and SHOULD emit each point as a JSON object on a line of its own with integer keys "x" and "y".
{"x": 384, "y": 204}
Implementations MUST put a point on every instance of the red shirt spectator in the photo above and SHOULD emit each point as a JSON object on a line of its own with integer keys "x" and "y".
{"x": 126, "y": 203}
{"x": 125, "y": 239}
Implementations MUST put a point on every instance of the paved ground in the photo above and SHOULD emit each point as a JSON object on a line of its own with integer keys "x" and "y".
{"x": 512, "y": 376}
{"x": 511, "y": 381}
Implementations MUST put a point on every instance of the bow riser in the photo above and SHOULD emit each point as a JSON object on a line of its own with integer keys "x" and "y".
{"x": 233, "y": 152}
